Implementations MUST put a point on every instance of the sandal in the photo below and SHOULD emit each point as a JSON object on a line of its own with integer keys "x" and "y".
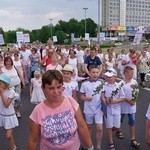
{"x": 111, "y": 146}
{"x": 135, "y": 144}
{"x": 119, "y": 135}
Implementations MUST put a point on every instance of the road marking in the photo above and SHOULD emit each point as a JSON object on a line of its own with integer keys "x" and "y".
{"x": 147, "y": 89}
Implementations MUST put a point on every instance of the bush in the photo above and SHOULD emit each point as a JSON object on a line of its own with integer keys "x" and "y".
{"x": 105, "y": 45}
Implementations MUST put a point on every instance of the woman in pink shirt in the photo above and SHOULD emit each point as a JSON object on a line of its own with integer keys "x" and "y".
{"x": 57, "y": 122}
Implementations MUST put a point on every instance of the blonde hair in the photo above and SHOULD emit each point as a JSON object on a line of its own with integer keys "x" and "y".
{"x": 37, "y": 73}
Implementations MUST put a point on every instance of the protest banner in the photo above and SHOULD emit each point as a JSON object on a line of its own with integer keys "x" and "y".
{"x": 1, "y": 39}
{"x": 26, "y": 38}
{"x": 138, "y": 35}
{"x": 55, "y": 39}
{"x": 19, "y": 35}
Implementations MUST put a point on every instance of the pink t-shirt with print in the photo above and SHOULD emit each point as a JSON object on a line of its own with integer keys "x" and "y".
{"x": 58, "y": 125}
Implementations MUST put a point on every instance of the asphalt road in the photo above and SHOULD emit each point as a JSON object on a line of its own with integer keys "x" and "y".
{"x": 21, "y": 132}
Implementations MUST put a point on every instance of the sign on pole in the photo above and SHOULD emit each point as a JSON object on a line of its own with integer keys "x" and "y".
{"x": 87, "y": 36}
{"x": 55, "y": 39}
{"x": 26, "y": 38}
{"x": 72, "y": 37}
{"x": 138, "y": 35}
{"x": 19, "y": 36}
{"x": 1, "y": 39}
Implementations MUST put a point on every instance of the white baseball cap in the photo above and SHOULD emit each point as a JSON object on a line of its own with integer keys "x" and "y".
{"x": 110, "y": 73}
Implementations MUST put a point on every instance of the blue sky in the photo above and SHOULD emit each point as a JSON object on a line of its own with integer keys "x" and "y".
{"x": 33, "y": 14}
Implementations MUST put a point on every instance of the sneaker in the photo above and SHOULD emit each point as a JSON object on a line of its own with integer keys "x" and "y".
{"x": 119, "y": 135}
{"x": 14, "y": 147}
{"x": 18, "y": 114}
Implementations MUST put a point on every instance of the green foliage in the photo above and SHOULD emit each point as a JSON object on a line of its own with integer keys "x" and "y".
{"x": 61, "y": 36}
{"x": 62, "y": 29}
{"x": 105, "y": 45}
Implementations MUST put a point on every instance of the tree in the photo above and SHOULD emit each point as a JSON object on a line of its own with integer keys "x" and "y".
{"x": 61, "y": 36}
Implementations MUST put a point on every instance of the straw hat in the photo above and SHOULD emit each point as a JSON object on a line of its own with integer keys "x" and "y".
{"x": 68, "y": 67}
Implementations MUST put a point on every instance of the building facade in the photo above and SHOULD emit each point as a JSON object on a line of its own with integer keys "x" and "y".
{"x": 121, "y": 16}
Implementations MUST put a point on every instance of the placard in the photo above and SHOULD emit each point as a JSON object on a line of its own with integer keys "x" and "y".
{"x": 26, "y": 38}
{"x": 55, "y": 39}
{"x": 19, "y": 36}
{"x": 1, "y": 39}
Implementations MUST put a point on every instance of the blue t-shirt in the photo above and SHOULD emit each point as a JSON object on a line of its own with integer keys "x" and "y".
{"x": 89, "y": 61}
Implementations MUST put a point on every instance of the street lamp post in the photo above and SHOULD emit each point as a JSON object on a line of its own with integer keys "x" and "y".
{"x": 98, "y": 25}
{"x": 85, "y": 9}
{"x": 51, "y": 28}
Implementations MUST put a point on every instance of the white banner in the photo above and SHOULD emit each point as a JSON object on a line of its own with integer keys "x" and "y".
{"x": 19, "y": 36}
{"x": 55, "y": 39}
{"x": 72, "y": 37}
{"x": 138, "y": 35}
{"x": 102, "y": 34}
{"x": 1, "y": 39}
{"x": 137, "y": 38}
{"x": 26, "y": 38}
{"x": 87, "y": 36}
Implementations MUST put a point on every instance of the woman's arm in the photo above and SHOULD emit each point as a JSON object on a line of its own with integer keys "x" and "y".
{"x": 34, "y": 136}
{"x": 83, "y": 129}
{"x": 21, "y": 77}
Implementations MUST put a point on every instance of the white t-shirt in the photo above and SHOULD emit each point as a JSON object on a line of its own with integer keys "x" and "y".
{"x": 80, "y": 56}
{"x": 126, "y": 108}
{"x": 65, "y": 52}
{"x": 25, "y": 55}
{"x": 109, "y": 65}
{"x": 108, "y": 89}
{"x": 15, "y": 80}
{"x": 88, "y": 87}
{"x": 126, "y": 58}
{"x": 73, "y": 63}
{"x": 101, "y": 57}
{"x": 69, "y": 87}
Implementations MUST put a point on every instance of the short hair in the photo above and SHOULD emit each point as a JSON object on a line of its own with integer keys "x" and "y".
{"x": 127, "y": 68}
{"x": 8, "y": 58}
{"x": 92, "y": 48}
{"x": 34, "y": 49}
{"x": 51, "y": 75}
{"x": 93, "y": 67}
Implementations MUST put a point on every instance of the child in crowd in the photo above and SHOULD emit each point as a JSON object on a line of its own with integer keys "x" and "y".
{"x": 70, "y": 87}
{"x": 130, "y": 87}
{"x": 36, "y": 92}
{"x": 112, "y": 94}
{"x": 8, "y": 118}
{"x": 92, "y": 103}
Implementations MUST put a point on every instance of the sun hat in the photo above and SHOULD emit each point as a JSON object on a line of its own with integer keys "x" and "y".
{"x": 68, "y": 67}
{"x": 4, "y": 78}
{"x": 110, "y": 73}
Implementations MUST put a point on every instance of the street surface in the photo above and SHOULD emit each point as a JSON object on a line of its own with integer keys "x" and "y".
{"x": 21, "y": 132}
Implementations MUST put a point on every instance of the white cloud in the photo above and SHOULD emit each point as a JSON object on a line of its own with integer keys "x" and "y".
{"x": 36, "y": 13}
{"x": 54, "y": 15}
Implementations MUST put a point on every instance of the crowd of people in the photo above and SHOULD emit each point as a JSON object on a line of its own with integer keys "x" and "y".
{"x": 108, "y": 88}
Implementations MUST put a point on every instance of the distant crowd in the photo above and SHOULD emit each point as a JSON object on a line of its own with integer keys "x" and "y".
{"x": 109, "y": 89}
